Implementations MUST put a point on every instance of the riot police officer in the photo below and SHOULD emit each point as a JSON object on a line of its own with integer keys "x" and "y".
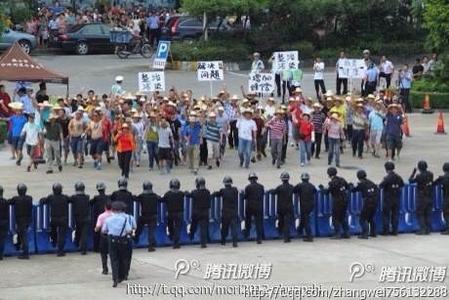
{"x": 59, "y": 207}
{"x": 391, "y": 185}
{"x": 81, "y": 212}
{"x": 23, "y": 210}
{"x": 124, "y": 195}
{"x": 200, "y": 210}
{"x": 254, "y": 193}
{"x": 284, "y": 193}
{"x": 174, "y": 200}
{"x": 229, "y": 211}
{"x": 444, "y": 182}
{"x": 338, "y": 188}
{"x": 148, "y": 201}
{"x": 4, "y": 222}
{"x": 424, "y": 182}
{"x": 98, "y": 207}
{"x": 306, "y": 192}
{"x": 370, "y": 192}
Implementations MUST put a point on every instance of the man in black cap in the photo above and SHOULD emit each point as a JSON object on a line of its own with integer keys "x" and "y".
{"x": 391, "y": 185}
{"x": 81, "y": 212}
{"x": 253, "y": 194}
{"x": 370, "y": 192}
{"x": 4, "y": 222}
{"x": 98, "y": 207}
{"x": 124, "y": 195}
{"x": 174, "y": 200}
{"x": 338, "y": 188}
{"x": 23, "y": 210}
{"x": 59, "y": 206}
{"x": 424, "y": 203}
{"x": 200, "y": 210}
{"x": 306, "y": 192}
{"x": 443, "y": 180}
{"x": 284, "y": 206}
{"x": 229, "y": 211}
{"x": 148, "y": 201}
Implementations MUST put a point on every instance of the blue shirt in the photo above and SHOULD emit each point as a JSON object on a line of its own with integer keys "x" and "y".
{"x": 17, "y": 123}
{"x": 393, "y": 125}
{"x": 193, "y": 133}
{"x": 27, "y": 104}
{"x": 153, "y": 22}
{"x": 376, "y": 121}
{"x": 405, "y": 81}
{"x": 114, "y": 224}
{"x": 371, "y": 75}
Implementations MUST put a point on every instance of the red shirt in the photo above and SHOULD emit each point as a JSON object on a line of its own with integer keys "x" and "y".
{"x": 305, "y": 130}
{"x": 125, "y": 142}
{"x": 106, "y": 129}
{"x": 6, "y": 100}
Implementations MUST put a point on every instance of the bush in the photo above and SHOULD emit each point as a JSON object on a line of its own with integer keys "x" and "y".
{"x": 437, "y": 100}
{"x": 428, "y": 85}
{"x": 228, "y": 51}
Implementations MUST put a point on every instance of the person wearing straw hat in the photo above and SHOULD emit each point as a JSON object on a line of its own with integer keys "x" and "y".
{"x": 95, "y": 131}
{"x": 231, "y": 111}
{"x": 193, "y": 135}
{"x": 278, "y": 132}
{"x": 53, "y": 139}
{"x": 360, "y": 126}
{"x": 76, "y": 134}
{"x": 31, "y": 134}
{"x": 138, "y": 127}
{"x": 247, "y": 129}
{"x": 306, "y": 138}
{"x": 212, "y": 134}
{"x": 334, "y": 130}
{"x": 124, "y": 140}
{"x": 151, "y": 139}
{"x": 16, "y": 123}
{"x": 165, "y": 146}
{"x": 318, "y": 118}
{"x": 393, "y": 131}
{"x": 376, "y": 127}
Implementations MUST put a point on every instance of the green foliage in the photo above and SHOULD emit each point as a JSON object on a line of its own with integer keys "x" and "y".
{"x": 437, "y": 100}
{"x": 428, "y": 85}
{"x": 211, "y": 50}
{"x": 21, "y": 14}
{"x": 436, "y": 17}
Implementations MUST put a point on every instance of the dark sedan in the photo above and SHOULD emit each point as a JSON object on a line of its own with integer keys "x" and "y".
{"x": 86, "y": 38}
{"x": 187, "y": 28}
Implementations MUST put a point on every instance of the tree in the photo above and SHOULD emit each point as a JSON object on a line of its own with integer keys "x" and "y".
{"x": 436, "y": 20}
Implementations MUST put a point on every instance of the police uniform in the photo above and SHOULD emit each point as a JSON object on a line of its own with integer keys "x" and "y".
{"x": 391, "y": 185}
{"x": 175, "y": 209}
{"x": 229, "y": 212}
{"x": 369, "y": 192}
{"x": 148, "y": 216}
{"x": 306, "y": 192}
{"x": 284, "y": 194}
{"x": 424, "y": 186}
{"x": 4, "y": 222}
{"x": 23, "y": 211}
{"x": 81, "y": 212}
{"x": 338, "y": 188}
{"x": 98, "y": 203}
{"x": 254, "y": 195}
{"x": 444, "y": 181}
{"x": 126, "y": 197}
{"x": 200, "y": 213}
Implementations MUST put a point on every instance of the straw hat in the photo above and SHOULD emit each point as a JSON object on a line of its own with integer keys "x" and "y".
{"x": 128, "y": 96}
{"x": 245, "y": 101}
{"x": 45, "y": 104}
{"x": 335, "y": 116}
{"x": 193, "y": 114}
{"x": 271, "y": 99}
{"x": 306, "y": 114}
{"x": 316, "y": 104}
{"x": 212, "y": 115}
{"x": 140, "y": 93}
{"x": 170, "y": 103}
{"x": 220, "y": 108}
{"x": 329, "y": 98}
{"x": 291, "y": 99}
{"x": 329, "y": 93}
{"x": 393, "y": 105}
{"x": 57, "y": 107}
{"x": 235, "y": 98}
{"x": 298, "y": 90}
{"x": 371, "y": 96}
{"x": 125, "y": 125}
{"x": 152, "y": 115}
{"x": 360, "y": 105}
{"x": 359, "y": 100}
{"x": 16, "y": 105}
{"x": 247, "y": 111}
{"x": 279, "y": 111}
{"x": 136, "y": 115}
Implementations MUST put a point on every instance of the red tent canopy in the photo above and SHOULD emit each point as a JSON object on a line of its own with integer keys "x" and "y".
{"x": 16, "y": 65}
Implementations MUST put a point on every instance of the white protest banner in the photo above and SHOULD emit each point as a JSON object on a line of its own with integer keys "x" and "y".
{"x": 285, "y": 60}
{"x": 351, "y": 68}
{"x": 262, "y": 83}
{"x": 210, "y": 70}
{"x": 160, "y": 59}
{"x": 151, "y": 81}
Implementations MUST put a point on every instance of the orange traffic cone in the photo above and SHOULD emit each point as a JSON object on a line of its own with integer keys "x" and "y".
{"x": 405, "y": 126}
{"x": 426, "y": 109}
{"x": 440, "y": 124}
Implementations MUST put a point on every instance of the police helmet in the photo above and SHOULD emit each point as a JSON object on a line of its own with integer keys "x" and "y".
{"x": 57, "y": 188}
{"x": 446, "y": 167}
{"x": 147, "y": 186}
{"x": 200, "y": 182}
{"x": 252, "y": 176}
{"x": 305, "y": 176}
{"x": 101, "y": 186}
{"x": 361, "y": 174}
{"x": 21, "y": 189}
{"x": 175, "y": 184}
{"x": 285, "y": 176}
{"x": 1, "y": 190}
{"x": 389, "y": 166}
{"x": 227, "y": 180}
{"x": 79, "y": 187}
{"x": 422, "y": 165}
{"x": 122, "y": 183}
{"x": 331, "y": 171}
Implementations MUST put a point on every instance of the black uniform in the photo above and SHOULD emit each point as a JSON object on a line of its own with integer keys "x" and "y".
{"x": 254, "y": 193}
{"x": 306, "y": 192}
{"x": 126, "y": 197}
{"x": 148, "y": 216}
{"x": 4, "y": 222}
{"x": 59, "y": 207}
{"x": 81, "y": 212}
{"x": 370, "y": 192}
{"x": 175, "y": 208}
{"x": 229, "y": 212}
{"x": 23, "y": 210}
{"x": 424, "y": 181}
{"x": 200, "y": 213}
{"x": 98, "y": 203}
{"x": 284, "y": 208}
{"x": 444, "y": 181}
{"x": 391, "y": 185}
{"x": 338, "y": 188}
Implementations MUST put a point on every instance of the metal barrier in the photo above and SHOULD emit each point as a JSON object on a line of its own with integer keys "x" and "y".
{"x": 11, "y": 238}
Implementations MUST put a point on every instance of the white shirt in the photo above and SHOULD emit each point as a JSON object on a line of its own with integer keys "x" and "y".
{"x": 31, "y": 130}
{"x": 319, "y": 71}
{"x": 387, "y": 67}
{"x": 246, "y": 128}
{"x": 257, "y": 66}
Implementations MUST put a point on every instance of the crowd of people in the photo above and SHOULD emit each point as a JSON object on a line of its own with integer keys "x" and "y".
{"x": 116, "y": 229}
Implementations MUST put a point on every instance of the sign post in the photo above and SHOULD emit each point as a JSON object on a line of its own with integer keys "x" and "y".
{"x": 163, "y": 49}
{"x": 261, "y": 83}
{"x": 210, "y": 71}
{"x": 151, "y": 81}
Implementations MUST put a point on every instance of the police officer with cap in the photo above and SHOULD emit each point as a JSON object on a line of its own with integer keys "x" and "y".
{"x": 81, "y": 212}
{"x": 98, "y": 207}
{"x": 338, "y": 188}
{"x": 23, "y": 211}
{"x": 200, "y": 210}
{"x": 123, "y": 195}
{"x": 306, "y": 192}
{"x": 391, "y": 185}
{"x": 148, "y": 201}
{"x": 284, "y": 194}
{"x": 59, "y": 217}
{"x": 4, "y": 222}
{"x": 370, "y": 193}
{"x": 229, "y": 211}
{"x": 174, "y": 200}
{"x": 424, "y": 186}
{"x": 443, "y": 180}
{"x": 254, "y": 195}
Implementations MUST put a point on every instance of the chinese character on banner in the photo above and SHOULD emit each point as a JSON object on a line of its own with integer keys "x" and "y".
{"x": 210, "y": 70}
{"x": 285, "y": 60}
{"x": 352, "y": 68}
{"x": 261, "y": 83}
{"x": 151, "y": 81}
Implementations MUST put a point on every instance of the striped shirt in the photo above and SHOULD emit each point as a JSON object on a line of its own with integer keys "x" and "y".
{"x": 230, "y": 111}
{"x": 334, "y": 129}
{"x": 359, "y": 121}
{"x": 318, "y": 119}
{"x": 212, "y": 132}
{"x": 277, "y": 127}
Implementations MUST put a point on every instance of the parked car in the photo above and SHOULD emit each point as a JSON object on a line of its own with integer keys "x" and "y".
{"x": 86, "y": 38}
{"x": 27, "y": 41}
{"x": 190, "y": 28}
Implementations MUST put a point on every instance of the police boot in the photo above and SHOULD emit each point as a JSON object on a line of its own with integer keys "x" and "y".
{"x": 223, "y": 242}
{"x": 363, "y": 236}
{"x": 421, "y": 232}
{"x": 234, "y": 244}
{"x": 308, "y": 239}
{"x": 345, "y": 235}
{"x": 445, "y": 232}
